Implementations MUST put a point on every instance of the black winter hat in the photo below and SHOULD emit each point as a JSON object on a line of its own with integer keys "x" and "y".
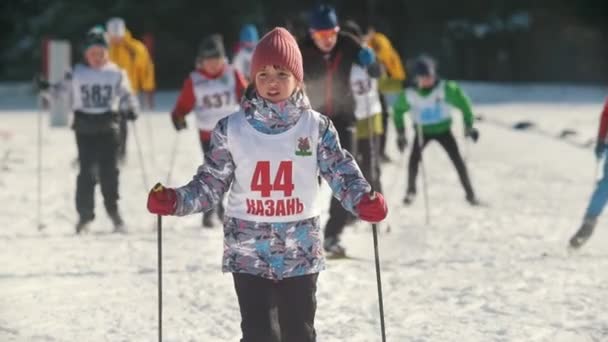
{"x": 212, "y": 47}
{"x": 424, "y": 66}
{"x": 94, "y": 38}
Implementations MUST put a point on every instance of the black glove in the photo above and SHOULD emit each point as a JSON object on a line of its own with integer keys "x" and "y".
{"x": 41, "y": 83}
{"x": 472, "y": 133}
{"x": 131, "y": 115}
{"x": 600, "y": 149}
{"x": 401, "y": 142}
{"x": 179, "y": 122}
{"x": 374, "y": 70}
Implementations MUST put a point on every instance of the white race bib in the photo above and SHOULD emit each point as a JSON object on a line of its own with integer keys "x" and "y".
{"x": 215, "y": 98}
{"x": 275, "y": 179}
{"x": 365, "y": 92}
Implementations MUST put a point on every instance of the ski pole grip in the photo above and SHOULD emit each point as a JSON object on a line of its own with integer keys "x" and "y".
{"x": 372, "y": 194}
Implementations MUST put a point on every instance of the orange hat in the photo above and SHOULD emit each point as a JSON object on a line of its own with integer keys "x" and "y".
{"x": 278, "y": 47}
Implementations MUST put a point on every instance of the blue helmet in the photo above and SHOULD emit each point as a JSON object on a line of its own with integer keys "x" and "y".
{"x": 249, "y": 34}
{"x": 323, "y": 17}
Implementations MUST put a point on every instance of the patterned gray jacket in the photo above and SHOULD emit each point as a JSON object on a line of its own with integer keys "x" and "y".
{"x": 272, "y": 250}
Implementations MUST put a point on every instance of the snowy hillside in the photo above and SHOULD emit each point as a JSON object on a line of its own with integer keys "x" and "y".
{"x": 497, "y": 273}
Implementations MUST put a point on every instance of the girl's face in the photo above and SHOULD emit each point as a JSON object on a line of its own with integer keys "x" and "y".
{"x": 275, "y": 84}
{"x": 96, "y": 56}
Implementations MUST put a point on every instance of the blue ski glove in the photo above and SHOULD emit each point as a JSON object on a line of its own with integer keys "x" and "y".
{"x": 366, "y": 56}
{"x": 600, "y": 149}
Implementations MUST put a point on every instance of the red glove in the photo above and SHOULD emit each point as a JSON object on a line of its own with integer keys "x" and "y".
{"x": 162, "y": 201}
{"x": 372, "y": 207}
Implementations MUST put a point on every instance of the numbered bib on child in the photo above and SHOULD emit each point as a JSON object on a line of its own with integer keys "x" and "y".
{"x": 275, "y": 179}
{"x": 431, "y": 109}
{"x": 215, "y": 98}
{"x": 95, "y": 91}
{"x": 365, "y": 92}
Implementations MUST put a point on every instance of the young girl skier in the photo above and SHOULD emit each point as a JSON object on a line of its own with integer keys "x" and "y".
{"x": 269, "y": 154}
{"x": 213, "y": 91}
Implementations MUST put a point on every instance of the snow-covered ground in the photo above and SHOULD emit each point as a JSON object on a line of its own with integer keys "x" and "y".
{"x": 497, "y": 273}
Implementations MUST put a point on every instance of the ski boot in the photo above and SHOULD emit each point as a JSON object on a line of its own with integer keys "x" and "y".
{"x": 584, "y": 233}
{"x": 409, "y": 198}
{"x": 119, "y": 224}
{"x": 333, "y": 249}
{"x": 83, "y": 224}
{"x": 473, "y": 201}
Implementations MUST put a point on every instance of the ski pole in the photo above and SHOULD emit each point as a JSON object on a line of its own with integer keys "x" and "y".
{"x": 141, "y": 158}
{"x": 150, "y": 134}
{"x": 467, "y": 147}
{"x": 373, "y": 177}
{"x": 159, "y": 243}
{"x": 173, "y": 157}
{"x": 423, "y": 171}
{"x": 40, "y": 225}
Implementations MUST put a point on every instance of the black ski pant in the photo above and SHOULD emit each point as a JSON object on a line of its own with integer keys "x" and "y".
{"x": 385, "y": 116}
{"x": 123, "y": 133}
{"x": 368, "y": 160}
{"x": 277, "y": 311}
{"x": 206, "y": 146}
{"x": 338, "y": 216}
{"x": 97, "y": 155}
{"x": 447, "y": 141}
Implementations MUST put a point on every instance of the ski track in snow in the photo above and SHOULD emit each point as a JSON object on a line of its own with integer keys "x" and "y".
{"x": 500, "y": 273}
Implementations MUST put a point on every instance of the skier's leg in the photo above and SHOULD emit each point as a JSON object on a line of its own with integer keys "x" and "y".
{"x": 375, "y": 162}
{"x": 259, "y": 311}
{"x": 594, "y": 210}
{"x": 297, "y": 306}
{"x": 449, "y": 144}
{"x": 122, "y": 149}
{"x": 108, "y": 175}
{"x": 85, "y": 182}
{"x": 413, "y": 163}
{"x": 364, "y": 160}
{"x": 600, "y": 195}
{"x": 338, "y": 216}
{"x": 382, "y": 140}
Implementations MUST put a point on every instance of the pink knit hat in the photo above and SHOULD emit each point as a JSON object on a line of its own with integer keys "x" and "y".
{"x": 278, "y": 47}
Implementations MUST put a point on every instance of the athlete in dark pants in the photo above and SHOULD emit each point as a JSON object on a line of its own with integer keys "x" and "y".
{"x": 430, "y": 104}
{"x": 329, "y": 55}
{"x": 102, "y": 89}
